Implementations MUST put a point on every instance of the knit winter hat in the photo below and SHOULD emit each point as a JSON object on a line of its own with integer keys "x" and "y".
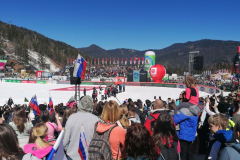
{"x": 86, "y": 104}
{"x": 222, "y": 107}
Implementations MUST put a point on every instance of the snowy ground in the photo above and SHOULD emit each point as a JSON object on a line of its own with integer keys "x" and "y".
{"x": 18, "y": 91}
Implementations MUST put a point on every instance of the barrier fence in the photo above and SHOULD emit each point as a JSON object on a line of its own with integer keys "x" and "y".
{"x": 208, "y": 89}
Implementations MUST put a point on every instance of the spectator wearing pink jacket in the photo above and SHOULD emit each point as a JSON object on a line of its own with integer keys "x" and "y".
{"x": 51, "y": 126}
{"x": 71, "y": 102}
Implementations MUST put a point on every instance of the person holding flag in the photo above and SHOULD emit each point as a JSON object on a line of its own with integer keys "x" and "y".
{"x": 50, "y": 104}
{"x": 36, "y": 111}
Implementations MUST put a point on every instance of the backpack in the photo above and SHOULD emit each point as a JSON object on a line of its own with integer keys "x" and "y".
{"x": 99, "y": 148}
{"x": 169, "y": 153}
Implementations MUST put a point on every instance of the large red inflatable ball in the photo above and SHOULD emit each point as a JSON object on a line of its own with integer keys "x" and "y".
{"x": 157, "y": 72}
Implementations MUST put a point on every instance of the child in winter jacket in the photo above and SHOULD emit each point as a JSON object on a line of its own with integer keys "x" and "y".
{"x": 190, "y": 96}
{"x": 218, "y": 125}
{"x": 232, "y": 152}
{"x": 38, "y": 147}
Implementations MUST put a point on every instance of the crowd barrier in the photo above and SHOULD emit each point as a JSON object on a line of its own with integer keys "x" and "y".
{"x": 29, "y": 81}
{"x": 208, "y": 89}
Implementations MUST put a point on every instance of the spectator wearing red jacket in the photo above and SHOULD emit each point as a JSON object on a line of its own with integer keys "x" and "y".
{"x": 157, "y": 109}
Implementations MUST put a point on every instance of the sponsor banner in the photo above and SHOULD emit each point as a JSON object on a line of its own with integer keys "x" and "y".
{"x": 119, "y": 80}
{"x": 147, "y": 84}
{"x": 181, "y": 86}
{"x": 207, "y": 89}
{"x": 169, "y": 85}
{"x": 88, "y": 83}
{"x": 26, "y": 81}
{"x": 135, "y": 76}
{"x": 132, "y": 84}
{"x": 13, "y": 81}
{"x": 41, "y": 82}
{"x": 158, "y": 84}
{"x": 98, "y": 83}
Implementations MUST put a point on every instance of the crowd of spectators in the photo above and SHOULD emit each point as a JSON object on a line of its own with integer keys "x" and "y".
{"x": 171, "y": 129}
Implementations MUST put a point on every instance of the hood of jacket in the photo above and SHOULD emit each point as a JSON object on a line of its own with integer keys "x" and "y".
{"x": 223, "y": 135}
{"x": 236, "y": 146}
{"x": 86, "y": 104}
{"x": 195, "y": 110}
{"x": 39, "y": 153}
{"x": 103, "y": 127}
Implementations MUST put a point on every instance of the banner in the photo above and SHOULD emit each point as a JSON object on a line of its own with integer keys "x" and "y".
{"x": 67, "y": 60}
{"x": 13, "y": 81}
{"x": 95, "y": 61}
{"x": 135, "y": 76}
{"x": 138, "y": 60}
{"x": 134, "y": 61}
{"x": 102, "y": 60}
{"x": 113, "y": 60}
{"x": 23, "y": 73}
{"x": 5, "y": 61}
{"x": 39, "y": 74}
{"x": 73, "y": 61}
{"x": 2, "y": 65}
{"x": 117, "y": 61}
{"x": 106, "y": 61}
{"x": 131, "y": 61}
{"x": 98, "y": 61}
{"x": 119, "y": 80}
{"x": 126, "y": 61}
{"x": 122, "y": 61}
{"x": 110, "y": 61}
{"x": 142, "y": 60}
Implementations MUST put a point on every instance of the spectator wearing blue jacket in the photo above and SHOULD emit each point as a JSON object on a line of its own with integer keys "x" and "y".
{"x": 187, "y": 118}
{"x": 232, "y": 152}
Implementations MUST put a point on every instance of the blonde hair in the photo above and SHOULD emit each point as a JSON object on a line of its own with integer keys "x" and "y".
{"x": 39, "y": 134}
{"x": 219, "y": 119}
{"x": 189, "y": 81}
{"x": 110, "y": 112}
{"x": 123, "y": 115}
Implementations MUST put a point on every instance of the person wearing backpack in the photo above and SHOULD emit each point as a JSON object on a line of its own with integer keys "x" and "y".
{"x": 79, "y": 129}
{"x": 157, "y": 109}
{"x": 108, "y": 138}
{"x": 232, "y": 152}
{"x": 139, "y": 144}
{"x": 165, "y": 137}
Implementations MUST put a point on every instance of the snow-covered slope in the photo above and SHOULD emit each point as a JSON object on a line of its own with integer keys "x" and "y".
{"x": 34, "y": 57}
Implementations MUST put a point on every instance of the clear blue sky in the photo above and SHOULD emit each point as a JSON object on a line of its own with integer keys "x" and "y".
{"x": 135, "y": 24}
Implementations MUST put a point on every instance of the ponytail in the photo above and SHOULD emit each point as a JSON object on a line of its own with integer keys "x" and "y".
{"x": 39, "y": 134}
{"x": 124, "y": 120}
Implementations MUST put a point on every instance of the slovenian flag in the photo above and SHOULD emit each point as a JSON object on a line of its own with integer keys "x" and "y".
{"x": 51, "y": 104}
{"x": 80, "y": 67}
{"x": 83, "y": 145}
{"x": 57, "y": 151}
{"x": 34, "y": 104}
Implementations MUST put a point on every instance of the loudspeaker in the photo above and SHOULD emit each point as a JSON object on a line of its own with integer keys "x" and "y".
{"x": 198, "y": 63}
{"x": 74, "y": 80}
{"x": 130, "y": 76}
{"x": 143, "y": 76}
